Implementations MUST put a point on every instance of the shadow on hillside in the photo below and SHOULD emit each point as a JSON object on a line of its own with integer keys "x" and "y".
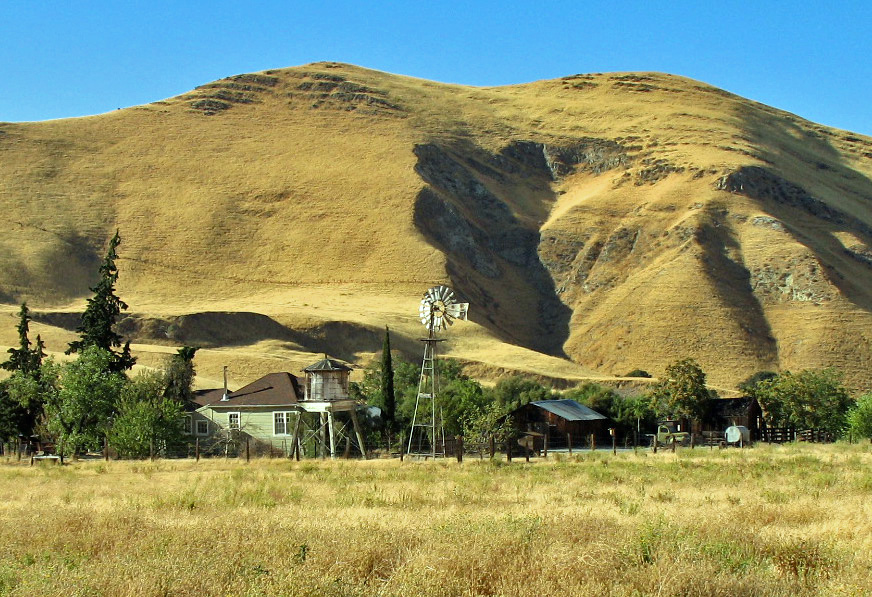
{"x": 733, "y": 282}
{"x": 214, "y": 329}
{"x": 492, "y": 255}
{"x": 812, "y": 218}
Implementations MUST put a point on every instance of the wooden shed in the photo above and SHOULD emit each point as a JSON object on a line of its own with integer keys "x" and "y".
{"x": 726, "y": 412}
{"x": 557, "y": 418}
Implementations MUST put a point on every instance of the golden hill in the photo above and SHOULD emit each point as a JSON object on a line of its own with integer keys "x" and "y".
{"x": 596, "y": 223}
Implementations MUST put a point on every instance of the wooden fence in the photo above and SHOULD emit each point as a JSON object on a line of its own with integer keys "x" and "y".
{"x": 782, "y": 435}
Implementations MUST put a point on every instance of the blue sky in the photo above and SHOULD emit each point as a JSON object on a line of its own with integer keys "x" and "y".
{"x": 65, "y": 58}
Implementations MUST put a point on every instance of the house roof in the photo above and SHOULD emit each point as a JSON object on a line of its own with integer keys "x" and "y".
{"x": 326, "y": 364}
{"x": 274, "y": 389}
{"x": 569, "y": 410}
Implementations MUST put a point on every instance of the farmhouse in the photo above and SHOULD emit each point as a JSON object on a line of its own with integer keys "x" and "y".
{"x": 279, "y": 412}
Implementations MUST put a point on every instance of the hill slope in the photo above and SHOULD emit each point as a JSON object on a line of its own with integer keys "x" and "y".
{"x": 596, "y": 223}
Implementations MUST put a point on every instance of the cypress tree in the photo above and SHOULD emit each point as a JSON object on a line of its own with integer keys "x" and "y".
{"x": 389, "y": 401}
{"x": 101, "y": 315}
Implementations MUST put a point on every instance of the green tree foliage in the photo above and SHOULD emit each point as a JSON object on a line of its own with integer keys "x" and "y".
{"x": 511, "y": 392}
{"x": 178, "y": 376}
{"x": 682, "y": 392}
{"x": 388, "y": 397}
{"x": 80, "y": 405}
{"x": 860, "y": 418}
{"x": 482, "y": 422}
{"x": 101, "y": 315}
{"x": 749, "y": 386}
{"x": 455, "y": 392}
{"x": 13, "y": 417}
{"x": 630, "y": 413}
{"x": 26, "y": 358}
{"x": 810, "y": 399}
{"x": 20, "y": 399}
{"x": 638, "y": 373}
{"x": 145, "y": 417}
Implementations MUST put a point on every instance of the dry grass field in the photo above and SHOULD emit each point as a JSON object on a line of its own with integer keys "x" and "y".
{"x": 596, "y": 223}
{"x": 769, "y": 520}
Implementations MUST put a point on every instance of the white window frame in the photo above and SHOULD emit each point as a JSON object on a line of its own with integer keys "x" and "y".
{"x": 197, "y": 427}
{"x": 188, "y": 425}
{"x": 230, "y": 424}
{"x": 287, "y": 416}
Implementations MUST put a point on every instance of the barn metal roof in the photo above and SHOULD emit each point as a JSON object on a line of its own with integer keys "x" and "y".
{"x": 569, "y": 410}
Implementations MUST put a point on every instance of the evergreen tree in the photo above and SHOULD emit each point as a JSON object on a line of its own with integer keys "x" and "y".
{"x": 25, "y": 359}
{"x": 389, "y": 401}
{"x": 179, "y": 375}
{"x": 14, "y": 418}
{"x": 21, "y": 396}
{"x": 101, "y": 315}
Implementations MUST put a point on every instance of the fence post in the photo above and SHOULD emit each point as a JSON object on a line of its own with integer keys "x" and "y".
{"x": 509, "y": 449}
{"x": 151, "y": 449}
{"x": 692, "y": 441}
{"x": 19, "y": 450}
{"x": 402, "y": 445}
{"x": 106, "y": 449}
{"x": 545, "y": 445}
{"x": 673, "y": 442}
{"x": 197, "y": 450}
{"x": 491, "y": 446}
{"x": 614, "y": 442}
{"x": 654, "y": 443}
{"x": 247, "y": 455}
{"x": 592, "y": 442}
{"x": 569, "y": 442}
{"x": 459, "y": 447}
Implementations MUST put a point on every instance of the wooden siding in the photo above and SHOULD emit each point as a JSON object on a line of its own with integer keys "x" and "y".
{"x": 256, "y": 422}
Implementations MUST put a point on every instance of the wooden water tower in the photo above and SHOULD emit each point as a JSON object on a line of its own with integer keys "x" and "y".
{"x": 327, "y": 393}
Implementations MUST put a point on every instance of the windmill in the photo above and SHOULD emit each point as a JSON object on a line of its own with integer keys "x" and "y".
{"x": 439, "y": 308}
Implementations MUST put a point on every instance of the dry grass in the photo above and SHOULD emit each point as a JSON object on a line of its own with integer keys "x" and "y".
{"x": 763, "y": 521}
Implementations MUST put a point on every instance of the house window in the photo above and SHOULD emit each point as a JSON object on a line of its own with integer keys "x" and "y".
{"x": 280, "y": 424}
{"x": 233, "y": 420}
{"x": 202, "y": 427}
{"x": 187, "y": 425}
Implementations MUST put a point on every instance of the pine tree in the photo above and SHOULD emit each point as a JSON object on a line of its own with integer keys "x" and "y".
{"x": 25, "y": 359}
{"x": 101, "y": 315}
{"x": 389, "y": 401}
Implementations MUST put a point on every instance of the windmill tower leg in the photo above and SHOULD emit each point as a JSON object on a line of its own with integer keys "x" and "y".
{"x": 438, "y": 309}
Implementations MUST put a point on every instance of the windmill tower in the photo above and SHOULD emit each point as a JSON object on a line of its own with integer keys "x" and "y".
{"x": 438, "y": 310}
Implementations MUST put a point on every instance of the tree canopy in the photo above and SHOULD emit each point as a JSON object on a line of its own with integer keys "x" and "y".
{"x": 810, "y": 399}
{"x": 682, "y": 391}
{"x": 860, "y": 418}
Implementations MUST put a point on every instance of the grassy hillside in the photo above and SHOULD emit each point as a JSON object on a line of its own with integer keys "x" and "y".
{"x": 597, "y": 223}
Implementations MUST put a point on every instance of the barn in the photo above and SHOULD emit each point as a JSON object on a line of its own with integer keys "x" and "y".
{"x": 560, "y": 419}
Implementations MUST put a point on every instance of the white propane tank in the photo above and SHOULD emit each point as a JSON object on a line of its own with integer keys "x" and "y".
{"x": 738, "y": 433}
